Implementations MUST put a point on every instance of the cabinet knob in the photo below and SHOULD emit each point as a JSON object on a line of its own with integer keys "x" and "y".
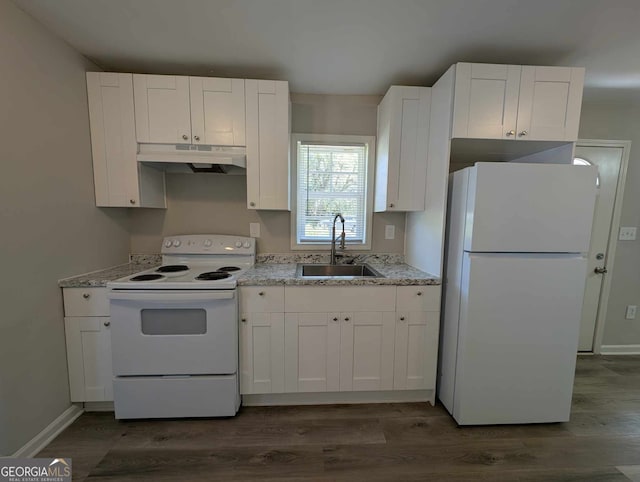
{"x": 197, "y": 138}
{"x": 252, "y": 204}
{"x": 346, "y": 318}
{"x": 261, "y": 293}
{"x": 600, "y": 270}
{"x": 419, "y": 293}
{"x": 243, "y": 320}
{"x": 132, "y": 201}
{"x": 86, "y": 296}
{"x": 510, "y": 133}
{"x": 523, "y": 133}
{"x": 185, "y": 137}
{"x": 402, "y": 318}
{"x": 391, "y": 205}
{"x": 107, "y": 323}
{"x": 335, "y": 318}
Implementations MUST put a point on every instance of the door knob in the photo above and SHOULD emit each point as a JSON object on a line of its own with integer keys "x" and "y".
{"x": 523, "y": 133}
{"x": 197, "y": 138}
{"x": 185, "y": 137}
{"x": 602, "y": 270}
{"x": 510, "y": 133}
{"x": 107, "y": 323}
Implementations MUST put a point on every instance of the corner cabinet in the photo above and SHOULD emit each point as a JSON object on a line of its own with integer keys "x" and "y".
{"x": 267, "y": 135}
{"x": 402, "y": 149}
{"x": 120, "y": 181}
{"x": 513, "y": 102}
{"x": 88, "y": 338}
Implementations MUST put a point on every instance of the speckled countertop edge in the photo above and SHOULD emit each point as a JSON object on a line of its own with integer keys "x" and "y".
{"x": 100, "y": 278}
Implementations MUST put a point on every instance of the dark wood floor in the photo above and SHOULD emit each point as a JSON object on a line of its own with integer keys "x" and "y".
{"x": 407, "y": 442}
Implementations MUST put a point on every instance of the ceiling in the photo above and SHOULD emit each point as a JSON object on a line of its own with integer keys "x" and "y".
{"x": 352, "y": 46}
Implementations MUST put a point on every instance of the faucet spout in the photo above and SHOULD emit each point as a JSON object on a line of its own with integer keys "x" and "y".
{"x": 333, "y": 237}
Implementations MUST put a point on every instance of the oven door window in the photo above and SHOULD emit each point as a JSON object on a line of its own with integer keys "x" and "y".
{"x": 186, "y": 321}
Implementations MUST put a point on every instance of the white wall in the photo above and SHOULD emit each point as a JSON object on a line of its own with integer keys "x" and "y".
{"x": 621, "y": 121}
{"x": 206, "y": 203}
{"x": 50, "y": 225}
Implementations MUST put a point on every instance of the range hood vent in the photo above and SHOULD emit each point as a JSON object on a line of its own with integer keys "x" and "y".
{"x": 194, "y": 158}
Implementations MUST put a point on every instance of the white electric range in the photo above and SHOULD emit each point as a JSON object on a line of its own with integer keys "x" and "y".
{"x": 174, "y": 330}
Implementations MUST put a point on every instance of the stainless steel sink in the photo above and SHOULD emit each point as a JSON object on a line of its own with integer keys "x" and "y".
{"x": 336, "y": 271}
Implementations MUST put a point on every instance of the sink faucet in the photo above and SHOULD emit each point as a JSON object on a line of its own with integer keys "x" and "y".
{"x": 333, "y": 237}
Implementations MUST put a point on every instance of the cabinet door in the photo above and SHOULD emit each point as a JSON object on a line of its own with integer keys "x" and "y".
{"x": 267, "y": 106}
{"x": 550, "y": 102}
{"x": 262, "y": 353}
{"x": 402, "y": 149}
{"x": 217, "y": 111}
{"x": 312, "y": 352}
{"x": 416, "y": 350}
{"x": 163, "y": 113}
{"x": 486, "y": 101}
{"x": 367, "y": 351}
{"x": 89, "y": 359}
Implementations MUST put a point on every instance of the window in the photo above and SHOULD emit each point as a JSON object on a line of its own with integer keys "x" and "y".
{"x": 332, "y": 174}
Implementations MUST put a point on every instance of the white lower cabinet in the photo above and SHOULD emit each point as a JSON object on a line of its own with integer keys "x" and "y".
{"x": 88, "y": 337}
{"x": 378, "y": 338}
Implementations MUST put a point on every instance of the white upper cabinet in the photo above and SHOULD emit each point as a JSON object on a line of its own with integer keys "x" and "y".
{"x": 515, "y": 102}
{"x": 189, "y": 110}
{"x": 402, "y": 149}
{"x": 267, "y": 136}
{"x": 163, "y": 113}
{"x": 217, "y": 111}
{"x": 550, "y": 102}
{"x": 120, "y": 181}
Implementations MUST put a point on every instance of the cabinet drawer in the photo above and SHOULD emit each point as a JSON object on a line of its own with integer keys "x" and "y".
{"x": 262, "y": 299}
{"x": 318, "y": 299}
{"x": 85, "y": 302}
{"x": 418, "y": 298}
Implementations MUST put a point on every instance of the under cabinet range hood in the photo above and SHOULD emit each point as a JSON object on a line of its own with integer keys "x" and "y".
{"x": 188, "y": 158}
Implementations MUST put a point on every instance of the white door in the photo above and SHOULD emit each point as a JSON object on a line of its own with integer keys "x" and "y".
{"x": 608, "y": 161}
{"x": 517, "y": 339}
{"x": 261, "y": 353}
{"x": 416, "y": 350}
{"x": 217, "y": 111}
{"x": 534, "y": 208}
{"x": 366, "y": 351}
{"x": 486, "y": 101}
{"x": 163, "y": 114}
{"x": 550, "y": 101}
{"x": 312, "y": 352}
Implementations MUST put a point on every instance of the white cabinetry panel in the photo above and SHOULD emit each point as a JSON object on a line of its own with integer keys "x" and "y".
{"x": 261, "y": 353}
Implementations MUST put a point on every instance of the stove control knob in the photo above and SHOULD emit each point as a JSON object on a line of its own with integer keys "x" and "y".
{"x": 176, "y": 243}
{"x": 247, "y": 244}
{"x": 238, "y": 244}
{"x": 167, "y": 243}
{"x": 207, "y": 243}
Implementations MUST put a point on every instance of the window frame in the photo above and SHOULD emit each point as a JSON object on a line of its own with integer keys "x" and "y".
{"x": 370, "y": 142}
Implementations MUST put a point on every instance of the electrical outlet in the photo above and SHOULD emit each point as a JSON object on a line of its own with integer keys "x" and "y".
{"x": 254, "y": 230}
{"x": 631, "y": 312}
{"x": 627, "y": 234}
{"x": 389, "y": 231}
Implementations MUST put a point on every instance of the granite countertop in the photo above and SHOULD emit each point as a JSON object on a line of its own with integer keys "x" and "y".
{"x": 100, "y": 278}
{"x": 398, "y": 274}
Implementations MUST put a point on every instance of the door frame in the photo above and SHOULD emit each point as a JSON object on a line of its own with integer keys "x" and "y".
{"x": 613, "y": 234}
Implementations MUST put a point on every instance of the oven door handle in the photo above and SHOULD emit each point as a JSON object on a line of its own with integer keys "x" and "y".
{"x": 163, "y": 296}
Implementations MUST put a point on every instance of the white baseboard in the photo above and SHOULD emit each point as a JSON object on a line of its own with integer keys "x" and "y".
{"x": 324, "y": 398}
{"x": 620, "y": 350}
{"x": 51, "y": 431}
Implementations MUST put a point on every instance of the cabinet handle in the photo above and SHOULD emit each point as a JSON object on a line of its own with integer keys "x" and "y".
{"x": 510, "y": 133}
{"x": 243, "y": 320}
{"x": 197, "y": 138}
{"x": 107, "y": 323}
{"x": 132, "y": 201}
{"x": 523, "y": 133}
{"x": 335, "y": 319}
{"x": 185, "y": 137}
{"x": 347, "y": 318}
{"x": 402, "y": 318}
{"x": 86, "y": 296}
{"x": 252, "y": 204}
{"x": 261, "y": 293}
{"x": 419, "y": 293}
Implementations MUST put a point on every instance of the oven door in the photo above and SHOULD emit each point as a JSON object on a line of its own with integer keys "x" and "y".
{"x": 174, "y": 332}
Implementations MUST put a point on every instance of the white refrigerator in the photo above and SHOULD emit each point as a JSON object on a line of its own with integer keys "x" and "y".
{"x": 518, "y": 235}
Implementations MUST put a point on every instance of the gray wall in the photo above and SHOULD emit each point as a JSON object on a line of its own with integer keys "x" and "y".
{"x": 51, "y": 227}
{"x": 621, "y": 121}
{"x": 210, "y": 203}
